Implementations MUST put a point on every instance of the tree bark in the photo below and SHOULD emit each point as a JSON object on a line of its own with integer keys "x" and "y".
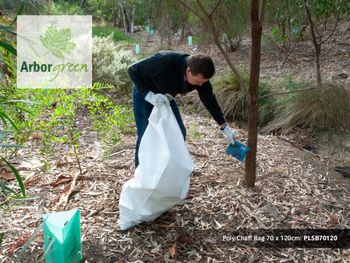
{"x": 317, "y": 44}
{"x": 114, "y": 17}
{"x": 256, "y": 32}
{"x": 132, "y": 20}
{"x": 318, "y": 66}
{"x": 48, "y": 6}
{"x": 126, "y": 20}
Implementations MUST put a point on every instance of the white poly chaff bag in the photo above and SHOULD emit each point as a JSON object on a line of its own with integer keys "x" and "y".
{"x": 162, "y": 178}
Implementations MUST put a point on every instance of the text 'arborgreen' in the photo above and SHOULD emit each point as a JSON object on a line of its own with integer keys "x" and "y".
{"x": 69, "y": 67}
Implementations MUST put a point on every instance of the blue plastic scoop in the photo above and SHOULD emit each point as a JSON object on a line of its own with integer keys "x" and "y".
{"x": 237, "y": 150}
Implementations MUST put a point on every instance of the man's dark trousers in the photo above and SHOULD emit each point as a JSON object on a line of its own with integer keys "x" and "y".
{"x": 142, "y": 111}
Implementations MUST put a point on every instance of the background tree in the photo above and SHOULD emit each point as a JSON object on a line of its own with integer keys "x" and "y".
{"x": 206, "y": 12}
{"x": 104, "y": 10}
{"x": 287, "y": 19}
{"x": 172, "y": 21}
{"x": 231, "y": 18}
{"x": 127, "y": 11}
{"x": 323, "y": 17}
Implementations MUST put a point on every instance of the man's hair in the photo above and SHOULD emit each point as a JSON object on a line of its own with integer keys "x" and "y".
{"x": 201, "y": 64}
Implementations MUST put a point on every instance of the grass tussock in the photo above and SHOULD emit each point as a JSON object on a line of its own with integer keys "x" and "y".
{"x": 233, "y": 99}
{"x": 317, "y": 109}
{"x": 288, "y": 105}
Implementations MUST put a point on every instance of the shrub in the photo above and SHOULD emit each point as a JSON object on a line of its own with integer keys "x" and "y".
{"x": 110, "y": 63}
{"x": 57, "y": 119}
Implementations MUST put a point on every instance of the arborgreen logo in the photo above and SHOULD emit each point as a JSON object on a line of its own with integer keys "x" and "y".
{"x": 58, "y": 42}
{"x": 54, "y": 51}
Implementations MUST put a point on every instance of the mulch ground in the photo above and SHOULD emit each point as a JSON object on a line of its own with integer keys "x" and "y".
{"x": 294, "y": 189}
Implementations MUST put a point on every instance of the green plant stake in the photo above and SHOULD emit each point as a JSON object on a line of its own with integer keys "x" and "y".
{"x": 1, "y": 237}
{"x": 224, "y": 38}
{"x": 137, "y": 49}
{"x": 62, "y": 237}
{"x": 189, "y": 40}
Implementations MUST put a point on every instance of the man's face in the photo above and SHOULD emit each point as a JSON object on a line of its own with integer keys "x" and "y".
{"x": 195, "y": 79}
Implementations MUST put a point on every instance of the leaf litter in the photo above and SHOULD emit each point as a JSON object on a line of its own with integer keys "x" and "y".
{"x": 293, "y": 189}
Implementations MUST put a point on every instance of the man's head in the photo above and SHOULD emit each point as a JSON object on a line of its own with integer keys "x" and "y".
{"x": 200, "y": 68}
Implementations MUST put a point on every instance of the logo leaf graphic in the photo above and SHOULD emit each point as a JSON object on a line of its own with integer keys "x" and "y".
{"x": 57, "y": 41}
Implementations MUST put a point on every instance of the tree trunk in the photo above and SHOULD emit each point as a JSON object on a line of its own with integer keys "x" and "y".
{"x": 127, "y": 21}
{"x": 317, "y": 44}
{"x": 226, "y": 56}
{"x": 318, "y": 67}
{"x": 125, "y": 18}
{"x": 132, "y": 20}
{"x": 48, "y": 6}
{"x": 256, "y": 31}
{"x": 114, "y": 17}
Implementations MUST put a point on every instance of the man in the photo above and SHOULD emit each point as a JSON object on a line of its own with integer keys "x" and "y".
{"x": 159, "y": 78}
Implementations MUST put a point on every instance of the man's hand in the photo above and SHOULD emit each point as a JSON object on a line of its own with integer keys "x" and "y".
{"x": 230, "y": 134}
{"x": 157, "y": 99}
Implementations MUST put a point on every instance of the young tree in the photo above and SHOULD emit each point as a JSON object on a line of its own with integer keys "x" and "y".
{"x": 127, "y": 11}
{"x": 206, "y": 12}
{"x": 206, "y": 15}
{"x": 170, "y": 20}
{"x": 133, "y": 10}
{"x": 323, "y": 17}
{"x": 106, "y": 10}
{"x": 289, "y": 25}
{"x": 257, "y": 17}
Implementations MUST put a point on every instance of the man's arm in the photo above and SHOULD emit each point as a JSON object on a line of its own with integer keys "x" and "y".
{"x": 208, "y": 99}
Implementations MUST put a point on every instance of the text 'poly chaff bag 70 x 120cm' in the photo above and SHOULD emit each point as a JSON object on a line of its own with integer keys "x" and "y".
{"x": 162, "y": 178}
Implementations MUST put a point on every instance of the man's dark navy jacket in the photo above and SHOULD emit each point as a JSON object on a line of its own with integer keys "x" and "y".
{"x": 164, "y": 72}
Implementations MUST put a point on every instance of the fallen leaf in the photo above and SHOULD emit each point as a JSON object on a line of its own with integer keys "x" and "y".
{"x": 298, "y": 218}
{"x": 218, "y": 225}
{"x": 61, "y": 180}
{"x": 333, "y": 219}
{"x": 172, "y": 250}
{"x": 62, "y": 164}
{"x": 67, "y": 191}
{"x": 7, "y": 176}
{"x": 32, "y": 181}
{"x": 20, "y": 242}
{"x": 186, "y": 239}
